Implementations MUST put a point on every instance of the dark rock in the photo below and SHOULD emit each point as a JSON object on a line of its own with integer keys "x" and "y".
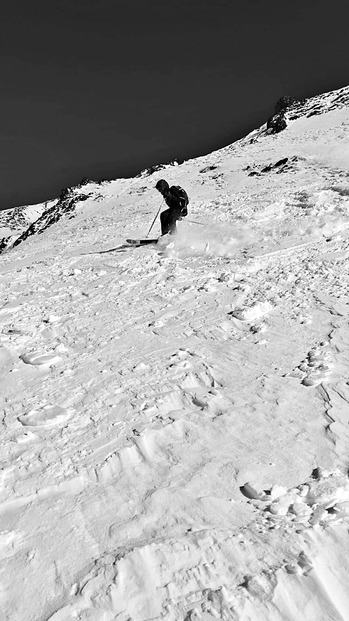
{"x": 84, "y": 181}
{"x": 287, "y": 102}
{"x": 276, "y": 123}
{"x": 65, "y": 193}
{"x": 314, "y": 112}
{"x": 267, "y": 168}
{"x": 4, "y": 243}
{"x": 286, "y": 164}
{"x": 177, "y": 161}
{"x": 152, "y": 169}
{"x": 208, "y": 168}
{"x": 316, "y": 473}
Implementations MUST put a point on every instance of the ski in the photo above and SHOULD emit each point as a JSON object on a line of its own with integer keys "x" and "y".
{"x": 141, "y": 242}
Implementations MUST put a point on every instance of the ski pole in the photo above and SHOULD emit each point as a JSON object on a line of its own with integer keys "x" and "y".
{"x": 155, "y": 217}
{"x": 194, "y": 222}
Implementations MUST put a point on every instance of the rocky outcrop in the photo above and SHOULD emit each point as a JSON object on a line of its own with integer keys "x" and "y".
{"x": 19, "y": 218}
{"x": 156, "y": 167}
{"x": 289, "y": 108}
{"x": 84, "y": 181}
{"x": 286, "y": 102}
{"x": 276, "y": 123}
{"x": 294, "y": 108}
{"x": 5, "y": 242}
{"x": 64, "y": 207}
{"x": 35, "y": 219}
{"x": 286, "y": 164}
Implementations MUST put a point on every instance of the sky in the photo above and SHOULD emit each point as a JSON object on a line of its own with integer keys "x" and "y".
{"x": 103, "y": 89}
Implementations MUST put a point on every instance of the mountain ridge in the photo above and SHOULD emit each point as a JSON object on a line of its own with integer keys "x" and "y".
{"x": 287, "y": 110}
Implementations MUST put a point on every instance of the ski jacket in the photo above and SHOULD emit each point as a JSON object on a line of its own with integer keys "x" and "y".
{"x": 177, "y": 200}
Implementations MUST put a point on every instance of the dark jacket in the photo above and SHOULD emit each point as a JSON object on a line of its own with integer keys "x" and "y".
{"x": 176, "y": 200}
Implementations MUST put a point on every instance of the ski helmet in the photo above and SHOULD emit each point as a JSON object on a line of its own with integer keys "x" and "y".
{"x": 162, "y": 185}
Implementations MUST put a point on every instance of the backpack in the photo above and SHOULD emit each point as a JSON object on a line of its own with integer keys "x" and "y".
{"x": 183, "y": 198}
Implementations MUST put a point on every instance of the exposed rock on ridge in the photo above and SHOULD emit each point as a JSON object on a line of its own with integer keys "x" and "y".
{"x": 276, "y": 123}
{"x": 19, "y": 218}
{"x": 64, "y": 206}
{"x": 289, "y": 108}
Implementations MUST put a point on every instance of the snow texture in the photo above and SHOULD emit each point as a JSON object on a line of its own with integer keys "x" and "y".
{"x": 174, "y": 418}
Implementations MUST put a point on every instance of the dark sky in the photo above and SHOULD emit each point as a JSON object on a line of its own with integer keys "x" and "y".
{"x": 104, "y": 88}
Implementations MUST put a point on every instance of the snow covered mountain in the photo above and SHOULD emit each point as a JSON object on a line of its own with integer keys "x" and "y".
{"x": 35, "y": 219}
{"x": 22, "y": 222}
{"x": 13, "y": 222}
{"x": 174, "y": 418}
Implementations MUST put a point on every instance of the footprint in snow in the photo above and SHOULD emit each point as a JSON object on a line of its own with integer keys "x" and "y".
{"x": 315, "y": 368}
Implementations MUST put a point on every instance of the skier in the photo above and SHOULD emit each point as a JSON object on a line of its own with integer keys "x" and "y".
{"x": 177, "y": 200}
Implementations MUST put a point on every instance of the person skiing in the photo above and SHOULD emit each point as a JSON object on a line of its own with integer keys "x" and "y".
{"x": 177, "y": 200}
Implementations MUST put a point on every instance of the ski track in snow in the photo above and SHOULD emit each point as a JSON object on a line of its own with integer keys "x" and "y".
{"x": 175, "y": 418}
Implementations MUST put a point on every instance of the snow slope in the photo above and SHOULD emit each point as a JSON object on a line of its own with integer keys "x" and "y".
{"x": 174, "y": 418}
